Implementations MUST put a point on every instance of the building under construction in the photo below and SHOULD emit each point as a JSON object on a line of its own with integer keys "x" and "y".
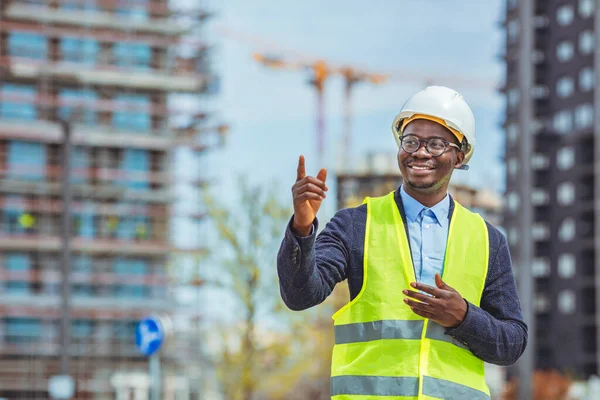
{"x": 109, "y": 68}
{"x": 553, "y": 181}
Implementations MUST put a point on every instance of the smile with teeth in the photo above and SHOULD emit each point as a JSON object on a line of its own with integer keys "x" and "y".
{"x": 420, "y": 168}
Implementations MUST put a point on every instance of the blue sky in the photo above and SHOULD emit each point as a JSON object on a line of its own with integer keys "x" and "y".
{"x": 272, "y": 113}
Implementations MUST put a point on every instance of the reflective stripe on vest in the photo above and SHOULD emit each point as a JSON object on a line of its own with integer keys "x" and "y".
{"x": 381, "y": 347}
{"x": 402, "y": 386}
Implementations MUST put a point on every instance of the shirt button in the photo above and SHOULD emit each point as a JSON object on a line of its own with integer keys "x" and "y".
{"x": 427, "y": 226}
{"x": 426, "y": 258}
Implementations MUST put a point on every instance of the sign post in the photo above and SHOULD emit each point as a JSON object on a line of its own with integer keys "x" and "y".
{"x": 150, "y": 335}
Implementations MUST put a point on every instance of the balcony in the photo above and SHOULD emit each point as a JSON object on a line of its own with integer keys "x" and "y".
{"x": 100, "y": 191}
{"x": 106, "y": 75}
{"x": 95, "y": 136}
{"x": 97, "y": 307}
{"x": 96, "y": 19}
{"x": 91, "y": 246}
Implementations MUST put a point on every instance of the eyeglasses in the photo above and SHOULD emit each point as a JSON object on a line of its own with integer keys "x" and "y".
{"x": 435, "y": 146}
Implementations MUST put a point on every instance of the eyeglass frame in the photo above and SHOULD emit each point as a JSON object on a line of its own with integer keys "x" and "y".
{"x": 426, "y": 142}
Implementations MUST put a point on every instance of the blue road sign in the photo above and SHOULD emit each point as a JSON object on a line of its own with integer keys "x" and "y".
{"x": 149, "y": 335}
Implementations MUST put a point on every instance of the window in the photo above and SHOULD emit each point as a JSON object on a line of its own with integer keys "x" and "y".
{"x": 82, "y": 264}
{"x": 586, "y": 79}
{"x": 16, "y": 262}
{"x": 83, "y": 290}
{"x": 13, "y": 221}
{"x": 586, "y": 42}
{"x": 584, "y": 116}
{"x": 566, "y": 301}
{"x": 564, "y": 51}
{"x": 539, "y": 197}
{"x": 563, "y": 122}
{"x": 566, "y": 231}
{"x": 565, "y": 193}
{"x": 540, "y": 267}
{"x": 133, "y": 55}
{"x": 135, "y": 166}
{"x": 78, "y": 105}
{"x": 12, "y": 287}
{"x": 133, "y": 112}
{"x": 512, "y": 30}
{"x": 132, "y": 266}
{"x": 565, "y": 87}
{"x": 513, "y": 201}
{"x": 540, "y": 231}
{"x": 565, "y": 158}
{"x": 513, "y": 236}
{"x": 586, "y": 8}
{"x": 80, "y": 162}
{"x": 79, "y": 50}
{"x": 124, "y": 330}
{"x": 82, "y": 328}
{"x": 566, "y": 265}
{"x": 78, "y": 5}
{"x": 539, "y": 161}
{"x": 513, "y": 98}
{"x": 134, "y": 228}
{"x": 18, "y": 102}
{"x": 83, "y": 223}
{"x": 28, "y": 45}
{"x": 134, "y": 291}
{"x": 512, "y": 167}
{"x": 26, "y": 160}
{"x": 564, "y": 15}
{"x": 512, "y": 131}
{"x": 137, "y": 10}
{"x": 541, "y": 303}
{"x": 22, "y": 330}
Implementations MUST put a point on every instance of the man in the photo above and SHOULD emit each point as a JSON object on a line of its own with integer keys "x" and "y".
{"x": 431, "y": 286}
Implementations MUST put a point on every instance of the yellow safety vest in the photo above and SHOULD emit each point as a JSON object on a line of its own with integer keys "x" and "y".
{"x": 385, "y": 351}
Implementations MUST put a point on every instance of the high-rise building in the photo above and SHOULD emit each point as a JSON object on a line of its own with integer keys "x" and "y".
{"x": 110, "y": 68}
{"x": 562, "y": 127}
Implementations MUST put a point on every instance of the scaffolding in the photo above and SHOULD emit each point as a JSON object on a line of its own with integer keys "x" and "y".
{"x": 108, "y": 67}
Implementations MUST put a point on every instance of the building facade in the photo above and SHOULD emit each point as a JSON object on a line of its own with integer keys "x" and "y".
{"x": 109, "y": 68}
{"x": 563, "y": 234}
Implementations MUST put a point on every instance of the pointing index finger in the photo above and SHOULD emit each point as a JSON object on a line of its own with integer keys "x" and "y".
{"x": 301, "y": 169}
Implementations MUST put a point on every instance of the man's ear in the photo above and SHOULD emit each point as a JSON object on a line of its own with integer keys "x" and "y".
{"x": 460, "y": 157}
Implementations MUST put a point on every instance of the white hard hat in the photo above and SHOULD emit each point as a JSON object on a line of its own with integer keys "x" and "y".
{"x": 445, "y": 106}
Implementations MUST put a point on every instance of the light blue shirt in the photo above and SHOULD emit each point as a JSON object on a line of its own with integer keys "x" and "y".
{"x": 428, "y": 234}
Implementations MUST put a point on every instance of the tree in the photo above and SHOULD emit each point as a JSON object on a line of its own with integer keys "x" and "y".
{"x": 267, "y": 349}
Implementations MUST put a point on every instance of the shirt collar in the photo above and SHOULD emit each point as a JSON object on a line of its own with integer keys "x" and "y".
{"x": 413, "y": 208}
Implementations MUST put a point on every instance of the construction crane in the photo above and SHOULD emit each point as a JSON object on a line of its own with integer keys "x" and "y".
{"x": 320, "y": 71}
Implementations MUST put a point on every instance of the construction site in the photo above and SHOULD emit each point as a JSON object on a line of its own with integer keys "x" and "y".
{"x": 83, "y": 94}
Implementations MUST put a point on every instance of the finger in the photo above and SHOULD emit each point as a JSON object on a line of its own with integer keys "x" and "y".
{"x": 428, "y": 289}
{"x": 420, "y": 296}
{"x": 322, "y": 175}
{"x": 422, "y": 313}
{"x": 313, "y": 180}
{"x": 301, "y": 173}
{"x": 419, "y": 306}
{"x": 310, "y": 187}
{"x": 440, "y": 283}
{"x": 308, "y": 196}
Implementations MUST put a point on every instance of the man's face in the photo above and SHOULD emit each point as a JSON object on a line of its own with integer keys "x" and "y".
{"x": 420, "y": 170}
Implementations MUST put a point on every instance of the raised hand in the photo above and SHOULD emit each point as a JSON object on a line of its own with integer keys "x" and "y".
{"x": 308, "y": 193}
{"x": 445, "y": 305}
